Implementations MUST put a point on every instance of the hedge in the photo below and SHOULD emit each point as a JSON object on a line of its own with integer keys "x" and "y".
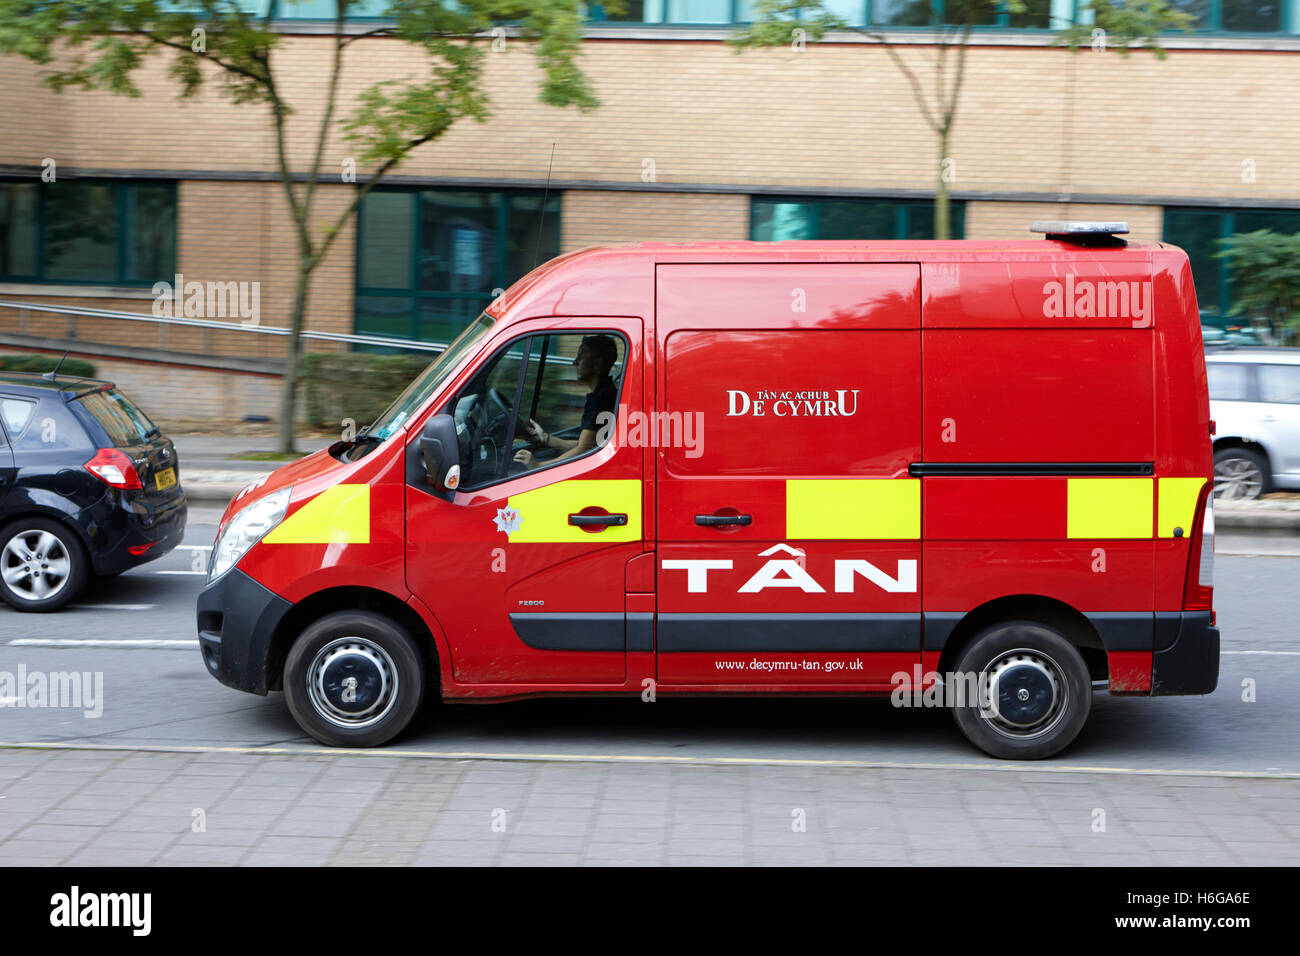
{"x": 355, "y": 385}
{"x": 71, "y": 368}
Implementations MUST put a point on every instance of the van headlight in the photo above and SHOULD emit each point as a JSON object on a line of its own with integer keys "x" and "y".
{"x": 245, "y": 529}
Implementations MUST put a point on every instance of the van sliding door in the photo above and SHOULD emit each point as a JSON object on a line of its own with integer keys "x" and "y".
{"x": 788, "y": 526}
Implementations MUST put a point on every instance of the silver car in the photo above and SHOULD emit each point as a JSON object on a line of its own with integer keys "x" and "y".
{"x": 1255, "y": 404}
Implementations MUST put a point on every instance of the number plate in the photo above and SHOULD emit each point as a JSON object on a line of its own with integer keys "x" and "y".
{"x": 165, "y": 478}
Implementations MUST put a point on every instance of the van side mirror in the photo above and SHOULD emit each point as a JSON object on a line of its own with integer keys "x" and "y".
{"x": 441, "y": 452}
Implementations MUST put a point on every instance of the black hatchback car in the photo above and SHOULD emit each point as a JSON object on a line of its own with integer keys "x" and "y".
{"x": 88, "y": 485}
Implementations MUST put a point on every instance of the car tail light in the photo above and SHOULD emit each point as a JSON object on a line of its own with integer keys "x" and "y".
{"x": 1198, "y": 590}
{"x": 139, "y": 549}
{"x": 114, "y": 468}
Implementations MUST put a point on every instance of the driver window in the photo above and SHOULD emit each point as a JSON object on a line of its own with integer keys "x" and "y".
{"x": 567, "y": 388}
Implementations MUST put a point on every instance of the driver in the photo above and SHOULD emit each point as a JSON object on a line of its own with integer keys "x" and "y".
{"x": 596, "y": 357}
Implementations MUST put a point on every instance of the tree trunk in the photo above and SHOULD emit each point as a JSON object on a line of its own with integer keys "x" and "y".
{"x": 288, "y": 396}
{"x": 942, "y": 215}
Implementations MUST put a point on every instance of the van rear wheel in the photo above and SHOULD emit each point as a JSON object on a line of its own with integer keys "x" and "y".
{"x": 1035, "y": 692}
{"x": 354, "y": 679}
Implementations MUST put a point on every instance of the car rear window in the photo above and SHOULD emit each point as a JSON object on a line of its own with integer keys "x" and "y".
{"x": 124, "y": 423}
{"x": 1227, "y": 382}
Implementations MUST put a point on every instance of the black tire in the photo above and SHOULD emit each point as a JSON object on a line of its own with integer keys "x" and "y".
{"x": 1241, "y": 473}
{"x": 1038, "y": 685}
{"x": 381, "y": 660}
{"x": 28, "y": 542}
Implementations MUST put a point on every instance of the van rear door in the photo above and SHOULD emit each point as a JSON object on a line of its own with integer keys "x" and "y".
{"x": 788, "y": 527}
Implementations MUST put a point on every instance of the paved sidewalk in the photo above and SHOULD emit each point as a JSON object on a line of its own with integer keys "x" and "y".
{"x": 142, "y": 808}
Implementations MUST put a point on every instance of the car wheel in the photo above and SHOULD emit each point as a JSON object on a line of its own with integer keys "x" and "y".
{"x": 354, "y": 679}
{"x": 1033, "y": 695}
{"x": 1240, "y": 473}
{"x": 42, "y": 564}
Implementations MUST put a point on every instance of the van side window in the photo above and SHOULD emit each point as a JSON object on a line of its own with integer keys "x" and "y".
{"x": 1228, "y": 383}
{"x": 17, "y": 414}
{"x": 1279, "y": 383}
{"x": 540, "y": 401}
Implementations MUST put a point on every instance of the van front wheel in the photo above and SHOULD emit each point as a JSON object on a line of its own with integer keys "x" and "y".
{"x": 1034, "y": 691}
{"x": 354, "y": 679}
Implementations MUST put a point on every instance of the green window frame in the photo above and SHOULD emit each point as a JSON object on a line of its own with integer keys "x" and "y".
{"x": 429, "y": 261}
{"x": 1197, "y": 229}
{"x": 773, "y": 218}
{"x": 88, "y": 231}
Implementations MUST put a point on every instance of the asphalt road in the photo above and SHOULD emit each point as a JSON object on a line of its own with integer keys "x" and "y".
{"x": 156, "y": 693}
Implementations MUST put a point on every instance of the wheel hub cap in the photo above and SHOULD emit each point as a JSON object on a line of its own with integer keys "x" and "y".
{"x": 1025, "y": 693}
{"x": 352, "y": 682}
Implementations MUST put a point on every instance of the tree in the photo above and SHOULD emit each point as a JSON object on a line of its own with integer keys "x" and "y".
{"x": 99, "y": 44}
{"x": 1126, "y": 24}
{"x": 1265, "y": 268}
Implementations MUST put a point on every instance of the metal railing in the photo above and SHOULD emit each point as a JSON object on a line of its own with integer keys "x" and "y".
{"x": 234, "y": 326}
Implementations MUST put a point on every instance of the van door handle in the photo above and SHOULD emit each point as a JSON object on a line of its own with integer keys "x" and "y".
{"x": 710, "y": 521}
{"x": 580, "y": 519}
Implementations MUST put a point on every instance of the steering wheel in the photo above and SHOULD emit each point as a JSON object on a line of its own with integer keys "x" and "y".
{"x": 487, "y": 439}
{"x": 500, "y": 401}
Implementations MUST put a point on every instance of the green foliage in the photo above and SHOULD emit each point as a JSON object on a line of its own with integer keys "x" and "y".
{"x": 1127, "y": 24}
{"x": 355, "y": 385}
{"x": 71, "y": 368}
{"x": 775, "y": 21}
{"x": 1265, "y": 268}
{"x": 99, "y": 44}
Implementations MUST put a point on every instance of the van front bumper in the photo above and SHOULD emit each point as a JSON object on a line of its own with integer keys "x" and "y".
{"x": 1190, "y": 665}
{"x": 236, "y": 618}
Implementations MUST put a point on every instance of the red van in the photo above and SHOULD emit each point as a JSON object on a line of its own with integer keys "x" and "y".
{"x": 962, "y": 474}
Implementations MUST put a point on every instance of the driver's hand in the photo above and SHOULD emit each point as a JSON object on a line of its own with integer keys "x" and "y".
{"x": 525, "y": 457}
{"x": 537, "y": 433}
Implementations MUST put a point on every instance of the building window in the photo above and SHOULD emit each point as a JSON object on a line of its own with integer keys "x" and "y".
{"x": 120, "y": 233}
{"x": 429, "y": 261}
{"x": 1197, "y": 232}
{"x": 1214, "y": 16}
{"x": 775, "y": 218}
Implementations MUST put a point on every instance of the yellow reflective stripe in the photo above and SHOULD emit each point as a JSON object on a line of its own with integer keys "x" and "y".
{"x": 338, "y": 515}
{"x": 1178, "y": 505}
{"x": 1110, "y": 507}
{"x": 857, "y": 508}
{"x": 544, "y": 512}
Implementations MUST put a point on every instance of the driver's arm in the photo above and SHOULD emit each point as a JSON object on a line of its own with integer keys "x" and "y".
{"x": 543, "y": 437}
{"x": 585, "y": 443}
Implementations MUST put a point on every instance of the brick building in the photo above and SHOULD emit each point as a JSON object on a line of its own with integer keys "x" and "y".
{"x": 692, "y": 141}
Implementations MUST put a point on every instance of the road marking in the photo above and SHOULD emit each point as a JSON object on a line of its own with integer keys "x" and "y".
{"x": 97, "y": 642}
{"x": 1275, "y": 653}
{"x": 115, "y": 607}
{"x": 310, "y": 751}
{"x": 176, "y": 572}
{"x": 193, "y": 547}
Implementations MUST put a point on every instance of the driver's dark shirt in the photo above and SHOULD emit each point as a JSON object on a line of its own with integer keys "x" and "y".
{"x": 603, "y": 398}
